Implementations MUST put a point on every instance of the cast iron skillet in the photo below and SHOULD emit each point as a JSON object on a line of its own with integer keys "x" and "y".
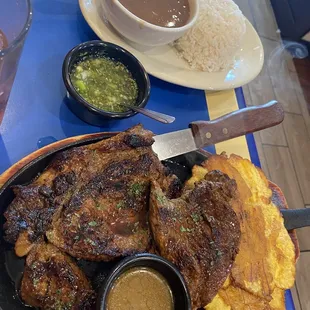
{"x": 25, "y": 171}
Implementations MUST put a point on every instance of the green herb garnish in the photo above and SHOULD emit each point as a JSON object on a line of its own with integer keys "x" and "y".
{"x": 35, "y": 281}
{"x": 136, "y": 189}
{"x": 92, "y": 223}
{"x": 90, "y": 241}
{"x": 135, "y": 227}
{"x": 160, "y": 198}
{"x": 219, "y": 253}
{"x": 182, "y": 229}
{"x": 120, "y": 205}
{"x": 34, "y": 265}
{"x": 97, "y": 205}
{"x": 196, "y": 217}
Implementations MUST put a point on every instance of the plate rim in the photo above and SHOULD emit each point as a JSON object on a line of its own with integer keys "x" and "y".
{"x": 176, "y": 80}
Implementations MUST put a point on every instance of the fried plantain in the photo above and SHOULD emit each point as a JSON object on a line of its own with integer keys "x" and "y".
{"x": 265, "y": 264}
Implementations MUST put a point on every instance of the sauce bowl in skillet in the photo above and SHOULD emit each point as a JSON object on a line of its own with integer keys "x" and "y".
{"x": 144, "y": 281}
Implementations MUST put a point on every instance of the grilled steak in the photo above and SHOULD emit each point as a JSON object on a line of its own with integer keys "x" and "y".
{"x": 92, "y": 201}
{"x": 51, "y": 280}
{"x": 199, "y": 232}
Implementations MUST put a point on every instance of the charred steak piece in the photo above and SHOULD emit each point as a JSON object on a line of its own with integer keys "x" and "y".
{"x": 34, "y": 205}
{"x": 92, "y": 201}
{"x": 199, "y": 232}
{"x": 52, "y": 280}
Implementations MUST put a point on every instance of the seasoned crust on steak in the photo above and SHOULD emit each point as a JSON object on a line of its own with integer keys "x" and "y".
{"x": 199, "y": 232}
{"x": 52, "y": 280}
{"x": 92, "y": 201}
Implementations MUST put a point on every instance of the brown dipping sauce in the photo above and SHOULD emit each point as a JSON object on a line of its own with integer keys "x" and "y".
{"x": 140, "y": 289}
{"x": 164, "y": 13}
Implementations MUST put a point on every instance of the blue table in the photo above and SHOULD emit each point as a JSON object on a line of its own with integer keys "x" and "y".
{"x": 36, "y": 114}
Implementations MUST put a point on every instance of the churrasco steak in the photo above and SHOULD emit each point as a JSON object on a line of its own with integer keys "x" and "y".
{"x": 199, "y": 232}
{"x": 92, "y": 201}
{"x": 52, "y": 280}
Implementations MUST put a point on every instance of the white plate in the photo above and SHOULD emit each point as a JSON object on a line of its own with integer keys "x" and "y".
{"x": 164, "y": 63}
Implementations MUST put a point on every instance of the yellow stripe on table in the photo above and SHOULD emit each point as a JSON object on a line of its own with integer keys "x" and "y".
{"x": 219, "y": 104}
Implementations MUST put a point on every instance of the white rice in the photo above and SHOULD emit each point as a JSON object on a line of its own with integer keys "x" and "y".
{"x": 211, "y": 44}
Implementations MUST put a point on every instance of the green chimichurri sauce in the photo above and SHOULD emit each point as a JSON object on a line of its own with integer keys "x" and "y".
{"x": 105, "y": 84}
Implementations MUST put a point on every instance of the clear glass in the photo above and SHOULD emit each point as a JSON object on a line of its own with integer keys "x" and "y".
{"x": 15, "y": 21}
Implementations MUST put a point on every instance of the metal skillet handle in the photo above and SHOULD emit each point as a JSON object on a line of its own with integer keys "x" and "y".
{"x": 237, "y": 123}
{"x": 296, "y": 218}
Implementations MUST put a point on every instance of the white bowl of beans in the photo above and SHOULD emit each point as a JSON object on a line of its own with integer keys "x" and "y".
{"x": 149, "y": 22}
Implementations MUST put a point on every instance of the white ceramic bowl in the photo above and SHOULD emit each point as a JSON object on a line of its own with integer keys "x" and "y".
{"x": 139, "y": 31}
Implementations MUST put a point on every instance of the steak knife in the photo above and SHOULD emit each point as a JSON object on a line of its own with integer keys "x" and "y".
{"x": 204, "y": 133}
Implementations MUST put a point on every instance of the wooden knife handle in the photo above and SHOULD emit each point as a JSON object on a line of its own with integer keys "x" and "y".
{"x": 237, "y": 123}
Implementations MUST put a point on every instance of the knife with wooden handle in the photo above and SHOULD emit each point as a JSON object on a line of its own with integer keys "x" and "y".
{"x": 204, "y": 133}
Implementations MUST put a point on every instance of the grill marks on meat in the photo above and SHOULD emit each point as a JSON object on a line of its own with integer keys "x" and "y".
{"x": 35, "y": 204}
{"x": 106, "y": 218}
{"x": 52, "y": 280}
{"x": 199, "y": 232}
{"x": 92, "y": 201}
{"x": 33, "y": 216}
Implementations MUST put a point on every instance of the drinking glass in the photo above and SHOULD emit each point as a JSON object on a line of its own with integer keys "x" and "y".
{"x": 15, "y": 21}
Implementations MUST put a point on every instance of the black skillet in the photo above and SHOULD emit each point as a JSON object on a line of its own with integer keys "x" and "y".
{"x": 11, "y": 267}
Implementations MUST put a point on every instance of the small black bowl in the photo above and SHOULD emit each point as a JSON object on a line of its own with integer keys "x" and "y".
{"x": 78, "y": 104}
{"x": 174, "y": 278}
